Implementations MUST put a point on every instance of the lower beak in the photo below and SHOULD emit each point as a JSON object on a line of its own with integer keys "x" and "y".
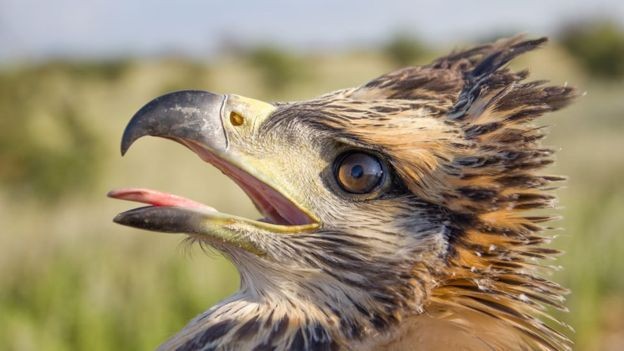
{"x": 206, "y": 224}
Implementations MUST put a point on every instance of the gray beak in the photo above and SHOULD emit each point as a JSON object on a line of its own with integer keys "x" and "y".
{"x": 192, "y": 115}
{"x": 184, "y": 116}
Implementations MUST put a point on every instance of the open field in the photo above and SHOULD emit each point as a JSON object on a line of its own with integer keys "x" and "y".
{"x": 71, "y": 279}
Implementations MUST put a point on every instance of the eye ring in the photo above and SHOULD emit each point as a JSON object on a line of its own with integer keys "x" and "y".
{"x": 359, "y": 172}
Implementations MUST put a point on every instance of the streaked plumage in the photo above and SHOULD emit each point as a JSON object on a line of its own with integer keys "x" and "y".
{"x": 446, "y": 253}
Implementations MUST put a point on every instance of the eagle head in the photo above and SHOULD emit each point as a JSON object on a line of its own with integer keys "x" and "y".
{"x": 396, "y": 215}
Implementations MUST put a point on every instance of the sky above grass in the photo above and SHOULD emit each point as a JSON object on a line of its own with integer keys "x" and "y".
{"x": 37, "y": 29}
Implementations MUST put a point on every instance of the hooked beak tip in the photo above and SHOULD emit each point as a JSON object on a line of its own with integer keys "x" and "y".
{"x": 186, "y": 115}
{"x": 125, "y": 145}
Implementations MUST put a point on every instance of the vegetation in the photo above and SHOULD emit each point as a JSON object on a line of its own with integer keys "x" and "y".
{"x": 404, "y": 49}
{"x": 71, "y": 279}
{"x": 46, "y": 149}
{"x": 598, "y": 46}
{"x": 278, "y": 68}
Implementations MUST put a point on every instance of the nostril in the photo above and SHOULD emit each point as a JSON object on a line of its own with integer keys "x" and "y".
{"x": 236, "y": 119}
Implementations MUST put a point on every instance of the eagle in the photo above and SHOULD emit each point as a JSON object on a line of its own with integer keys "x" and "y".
{"x": 403, "y": 214}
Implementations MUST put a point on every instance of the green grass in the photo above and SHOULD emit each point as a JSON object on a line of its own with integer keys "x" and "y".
{"x": 71, "y": 279}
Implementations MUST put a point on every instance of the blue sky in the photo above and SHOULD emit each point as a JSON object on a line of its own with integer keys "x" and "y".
{"x": 36, "y": 29}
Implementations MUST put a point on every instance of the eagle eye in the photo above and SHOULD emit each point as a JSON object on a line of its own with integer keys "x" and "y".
{"x": 358, "y": 172}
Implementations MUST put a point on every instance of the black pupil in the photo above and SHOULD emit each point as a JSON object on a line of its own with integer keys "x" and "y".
{"x": 359, "y": 172}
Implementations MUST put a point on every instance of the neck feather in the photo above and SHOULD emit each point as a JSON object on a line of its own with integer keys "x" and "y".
{"x": 243, "y": 322}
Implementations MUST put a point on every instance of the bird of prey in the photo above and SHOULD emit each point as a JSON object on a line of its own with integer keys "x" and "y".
{"x": 403, "y": 214}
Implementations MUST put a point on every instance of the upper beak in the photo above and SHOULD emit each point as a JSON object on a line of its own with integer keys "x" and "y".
{"x": 196, "y": 119}
{"x": 191, "y": 115}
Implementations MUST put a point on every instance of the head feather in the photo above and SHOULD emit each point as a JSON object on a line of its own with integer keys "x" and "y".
{"x": 459, "y": 133}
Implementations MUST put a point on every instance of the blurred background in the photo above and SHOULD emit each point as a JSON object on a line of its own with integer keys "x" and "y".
{"x": 72, "y": 72}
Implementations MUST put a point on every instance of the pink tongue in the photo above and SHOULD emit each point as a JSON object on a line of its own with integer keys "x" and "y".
{"x": 156, "y": 198}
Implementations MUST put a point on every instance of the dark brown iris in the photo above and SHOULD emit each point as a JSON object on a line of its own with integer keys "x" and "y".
{"x": 359, "y": 173}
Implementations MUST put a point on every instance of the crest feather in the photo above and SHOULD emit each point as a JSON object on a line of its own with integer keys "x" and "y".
{"x": 496, "y": 254}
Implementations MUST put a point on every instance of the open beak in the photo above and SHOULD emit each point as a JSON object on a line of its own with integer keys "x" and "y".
{"x": 197, "y": 119}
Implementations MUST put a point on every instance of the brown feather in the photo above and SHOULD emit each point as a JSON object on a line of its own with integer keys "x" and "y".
{"x": 460, "y": 135}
